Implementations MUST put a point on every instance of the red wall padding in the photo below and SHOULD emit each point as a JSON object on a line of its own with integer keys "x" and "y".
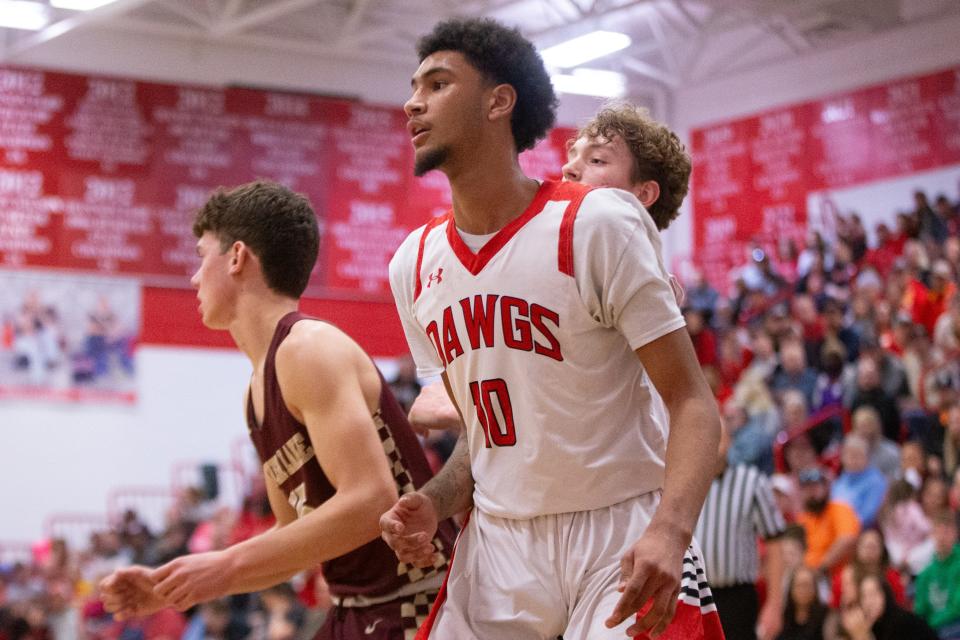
{"x": 170, "y": 317}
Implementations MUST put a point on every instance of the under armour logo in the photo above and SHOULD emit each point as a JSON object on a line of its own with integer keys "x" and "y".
{"x": 435, "y": 276}
{"x": 370, "y": 628}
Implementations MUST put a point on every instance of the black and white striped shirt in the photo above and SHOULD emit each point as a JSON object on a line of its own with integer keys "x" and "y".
{"x": 739, "y": 507}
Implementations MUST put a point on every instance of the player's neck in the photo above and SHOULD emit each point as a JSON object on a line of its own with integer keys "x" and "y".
{"x": 256, "y": 321}
{"x": 488, "y": 195}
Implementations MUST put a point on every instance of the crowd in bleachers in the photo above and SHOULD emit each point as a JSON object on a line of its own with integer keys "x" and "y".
{"x": 837, "y": 368}
{"x": 53, "y": 596}
{"x": 838, "y": 372}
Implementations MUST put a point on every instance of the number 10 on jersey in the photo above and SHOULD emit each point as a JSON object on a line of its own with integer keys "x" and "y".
{"x": 492, "y": 402}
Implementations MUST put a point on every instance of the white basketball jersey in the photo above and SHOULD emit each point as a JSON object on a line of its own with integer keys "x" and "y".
{"x": 537, "y": 333}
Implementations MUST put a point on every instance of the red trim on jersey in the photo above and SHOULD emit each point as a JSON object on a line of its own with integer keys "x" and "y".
{"x": 423, "y": 633}
{"x": 569, "y": 190}
{"x": 689, "y": 623}
{"x": 423, "y": 241}
{"x": 474, "y": 263}
{"x": 576, "y": 192}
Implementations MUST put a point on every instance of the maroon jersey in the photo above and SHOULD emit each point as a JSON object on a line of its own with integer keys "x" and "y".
{"x": 285, "y": 450}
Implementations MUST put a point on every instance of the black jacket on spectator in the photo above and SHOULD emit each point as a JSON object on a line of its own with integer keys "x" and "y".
{"x": 812, "y": 629}
{"x": 932, "y": 226}
{"x": 885, "y": 406}
{"x": 851, "y": 342}
{"x": 899, "y": 624}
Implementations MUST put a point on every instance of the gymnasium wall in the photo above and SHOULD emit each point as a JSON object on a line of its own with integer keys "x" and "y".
{"x": 311, "y": 70}
{"x": 68, "y": 457}
{"x": 916, "y": 50}
{"x": 188, "y": 382}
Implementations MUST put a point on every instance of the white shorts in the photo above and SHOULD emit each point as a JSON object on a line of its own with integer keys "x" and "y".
{"x": 554, "y": 575}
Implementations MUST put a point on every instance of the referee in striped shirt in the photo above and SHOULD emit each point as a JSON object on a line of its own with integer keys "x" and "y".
{"x": 739, "y": 508}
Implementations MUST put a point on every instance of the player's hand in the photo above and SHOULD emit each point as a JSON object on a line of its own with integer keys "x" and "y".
{"x": 409, "y": 527}
{"x": 650, "y": 573}
{"x": 433, "y": 410}
{"x": 192, "y": 579}
{"x": 769, "y": 623}
{"x": 128, "y": 593}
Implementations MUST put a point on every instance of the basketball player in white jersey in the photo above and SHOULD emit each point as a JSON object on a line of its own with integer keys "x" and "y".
{"x": 548, "y": 311}
{"x": 620, "y": 147}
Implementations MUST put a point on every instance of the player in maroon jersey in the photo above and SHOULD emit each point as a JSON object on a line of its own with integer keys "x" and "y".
{"x": 335, "y": 445}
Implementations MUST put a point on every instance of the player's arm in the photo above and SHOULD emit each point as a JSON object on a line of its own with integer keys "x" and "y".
{"x": 451, "y": 490}
{"x": 652, "y": 568}
{"x": 770, "y": 619}
{"x": 624, "y": 285}
{"x": 129, "y": 592}
{"x": 433, "y": 410}
{"x": 325, "y": 391}
{"x": 769, "y": 524}
{"x": 672, "y": 365}
{"x": 409, "y": 526}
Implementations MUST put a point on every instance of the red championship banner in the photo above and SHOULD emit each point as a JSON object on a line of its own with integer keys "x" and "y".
{"x": 772, "y": 176}
{"x": 105, "y": 174}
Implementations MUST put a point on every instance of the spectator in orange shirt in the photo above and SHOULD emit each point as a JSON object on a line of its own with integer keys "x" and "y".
{"x": 831, "y": 527}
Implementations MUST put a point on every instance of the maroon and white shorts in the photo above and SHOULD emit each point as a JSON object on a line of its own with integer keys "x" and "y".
{"x": 396, "y": 619}
{"x": 557, "y": 575}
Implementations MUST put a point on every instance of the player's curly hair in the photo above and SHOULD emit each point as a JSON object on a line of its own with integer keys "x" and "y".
{"x": 505, "y": 57}
{"x": 658, "y": 154}
{"x": 277, "y": 224}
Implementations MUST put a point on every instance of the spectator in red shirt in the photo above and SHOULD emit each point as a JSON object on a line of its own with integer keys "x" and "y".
{"x": 166, "y": 624}
{"x": 926, "y": 304}
{"x": 885, "y": 253}
{"x": 734, "y": 358}
{"x": 703, "y": 337}
{"x": 255, "y": 517}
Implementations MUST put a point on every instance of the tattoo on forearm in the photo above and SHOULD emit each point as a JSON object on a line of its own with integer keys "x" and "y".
{"x": 451, "y": 490}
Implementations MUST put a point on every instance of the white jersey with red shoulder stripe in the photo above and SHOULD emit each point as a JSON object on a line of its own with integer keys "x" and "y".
{"x": 536, "y": 332}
